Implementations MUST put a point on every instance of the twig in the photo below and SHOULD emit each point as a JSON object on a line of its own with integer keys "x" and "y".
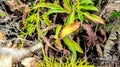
{"x": 44, "y": 38}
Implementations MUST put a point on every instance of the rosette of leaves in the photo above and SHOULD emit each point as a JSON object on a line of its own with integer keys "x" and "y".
{"x": 77, "y": 11}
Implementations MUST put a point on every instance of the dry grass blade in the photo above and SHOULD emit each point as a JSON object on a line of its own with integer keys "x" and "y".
{"x": 99, "y": 50}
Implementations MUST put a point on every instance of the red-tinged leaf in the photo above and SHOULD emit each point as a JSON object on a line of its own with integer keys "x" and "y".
{"x": 94, "y": 18}
{"x": 68, "y": 29}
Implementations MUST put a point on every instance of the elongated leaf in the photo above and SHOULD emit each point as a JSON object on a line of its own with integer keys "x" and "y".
{"x": 46, "y": 20}
{"x": 86, "y": 2}
{"x": 77, "y": 46}
{"x": 71, "y": 18}
{"x": 89, "y": 7}
{"x": 54, "y": 8}
{"x": 48, "y": 5}
{"x": 92, "y": 38}
{"x": 50, "y": 11}
{"x": 58, "y": 42}
{"x": 72, "y": 45}
{"x": 57, "y": 31}
{"x": 69, "y": 29}
{"x": 94, "y": 18}
{"x": 67, "y": 5}
{"x": 39, "y": 34}
{"x": 80, "y": 16}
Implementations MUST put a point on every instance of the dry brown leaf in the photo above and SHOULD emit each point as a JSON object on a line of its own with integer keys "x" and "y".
{"x": 69, "y": 29}
{"x": 103, "y": 33}
{"x": 92, "y": 38}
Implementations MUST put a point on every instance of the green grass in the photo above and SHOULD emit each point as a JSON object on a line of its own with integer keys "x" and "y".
{"x": 51, "y": 62}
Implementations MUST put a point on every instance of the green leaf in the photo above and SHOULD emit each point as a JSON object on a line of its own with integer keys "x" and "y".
{"x": 58, "y": 42}
{"x": 54, "y": 8}
{"x": 30, "y": 19}
{"x": 30, "y": 29}
{"x": 88, "y": 7}
{"x": 80, "y": 16}
{"x": 94, "y": 18}
{"x": 72, "y": 45}
{"x": 46, "y": 20}
{"x": 66, "y": 4}
{"x": 86, "y": 2}
{"x": 75, "y": 45}
{"x": 115, "y": 14}
{"x": 71, "y": 18}
{"x": 57, "y": 31}
{"x": 39, "y": 34}
{"x": 48, "y": 5}
{"x": 50, "y": 11}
